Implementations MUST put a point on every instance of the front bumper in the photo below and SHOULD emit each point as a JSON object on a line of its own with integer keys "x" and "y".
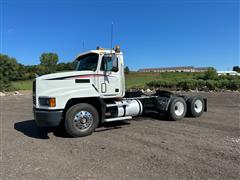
{"x": 47, "y": 118}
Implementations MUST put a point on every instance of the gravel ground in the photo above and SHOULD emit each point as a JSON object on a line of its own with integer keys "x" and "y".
{"x": 144, "y": 148}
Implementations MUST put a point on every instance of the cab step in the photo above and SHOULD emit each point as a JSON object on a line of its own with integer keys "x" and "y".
{"x": 118, "y": 119}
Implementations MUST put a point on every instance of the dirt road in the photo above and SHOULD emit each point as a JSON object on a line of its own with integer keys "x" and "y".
{"x": 145, "y": 148}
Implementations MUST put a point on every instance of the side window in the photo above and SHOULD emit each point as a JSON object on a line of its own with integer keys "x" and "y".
{"x": 107, "y": 64}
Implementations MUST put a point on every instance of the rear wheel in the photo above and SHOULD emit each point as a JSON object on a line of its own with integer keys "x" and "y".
{"x": 177, "y": 108}
{"x": 81, "y": 120}
{"x": 195, "y": 106}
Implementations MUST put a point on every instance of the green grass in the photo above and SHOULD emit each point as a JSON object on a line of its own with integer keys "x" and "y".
{"x": 22, "y": 85}
{"x": 139, "y": 79}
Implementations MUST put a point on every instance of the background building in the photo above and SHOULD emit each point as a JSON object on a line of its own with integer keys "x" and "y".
{"x": 228, "y": 73}
{"x": 175, "y": 69}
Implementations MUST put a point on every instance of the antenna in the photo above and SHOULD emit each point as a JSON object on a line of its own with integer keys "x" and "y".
{"x": 111, "y": 37}
{"x": 83, "y": 46}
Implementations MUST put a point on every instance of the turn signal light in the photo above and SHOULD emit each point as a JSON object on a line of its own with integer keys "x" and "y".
{"x": 52, "y": 102}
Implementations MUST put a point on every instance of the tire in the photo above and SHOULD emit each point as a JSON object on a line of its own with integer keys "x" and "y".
{"x": 177, "y": 108}
{"x": 196, "y": 106}
{"x": 81, "y": 120}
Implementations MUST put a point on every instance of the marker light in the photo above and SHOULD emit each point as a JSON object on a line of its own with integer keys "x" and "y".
{"x": 52, "y": 102}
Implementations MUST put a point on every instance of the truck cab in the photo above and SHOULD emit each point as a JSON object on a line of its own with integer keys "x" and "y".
{"x": 95, "y": 93}
{"x": 107, "y": 71}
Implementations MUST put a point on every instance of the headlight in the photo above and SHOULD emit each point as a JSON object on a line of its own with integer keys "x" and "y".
{"x": 47, "y": 101}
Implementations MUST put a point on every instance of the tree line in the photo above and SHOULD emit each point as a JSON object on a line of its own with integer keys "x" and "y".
{"x": 12, "y": 70}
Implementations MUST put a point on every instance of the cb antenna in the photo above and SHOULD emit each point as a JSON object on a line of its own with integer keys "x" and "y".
{"x": 111, "y": 37}
{"x": 83, "y": 46}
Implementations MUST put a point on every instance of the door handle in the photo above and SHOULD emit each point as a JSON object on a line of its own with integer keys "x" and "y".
{"x": 103, "y": 87}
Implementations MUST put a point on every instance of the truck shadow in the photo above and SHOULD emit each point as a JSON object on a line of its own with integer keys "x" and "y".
{"x": 156, "y": 117}
{"x": 111, "y": 125}
{"x": 30, "y": 129}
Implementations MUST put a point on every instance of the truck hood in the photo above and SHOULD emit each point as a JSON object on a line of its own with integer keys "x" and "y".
{"x": 65, "y": 75}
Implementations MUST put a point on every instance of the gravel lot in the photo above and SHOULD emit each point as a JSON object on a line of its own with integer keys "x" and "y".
{"x": 144, "y": 148}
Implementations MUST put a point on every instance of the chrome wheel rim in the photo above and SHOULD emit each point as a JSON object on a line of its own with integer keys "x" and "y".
{"x": 179, "y": 108}
{"x": 83, "y": 120}
{"x": 198, "y": 106}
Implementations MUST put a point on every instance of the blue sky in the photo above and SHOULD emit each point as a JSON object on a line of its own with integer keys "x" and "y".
{"x": 151, "y": 33}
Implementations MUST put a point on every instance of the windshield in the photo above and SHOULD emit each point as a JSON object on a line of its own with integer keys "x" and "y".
{"x": 87, "y": 62}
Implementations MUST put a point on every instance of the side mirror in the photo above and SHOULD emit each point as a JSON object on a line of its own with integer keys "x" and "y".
{"x": 114, "y": 63}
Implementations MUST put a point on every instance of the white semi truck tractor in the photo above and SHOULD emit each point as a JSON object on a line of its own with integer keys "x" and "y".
{"x": 94, "y": 93}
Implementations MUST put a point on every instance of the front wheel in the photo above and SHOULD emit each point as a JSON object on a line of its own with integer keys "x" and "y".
{"x": 81, "y": 120}
{"x": 177, "y": 108}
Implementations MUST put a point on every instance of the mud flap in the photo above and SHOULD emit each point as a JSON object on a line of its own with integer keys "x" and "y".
{"x": 205, "y": 105}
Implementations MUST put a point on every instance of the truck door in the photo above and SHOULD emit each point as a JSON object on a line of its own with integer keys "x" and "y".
{"x": 110, "y": 79}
